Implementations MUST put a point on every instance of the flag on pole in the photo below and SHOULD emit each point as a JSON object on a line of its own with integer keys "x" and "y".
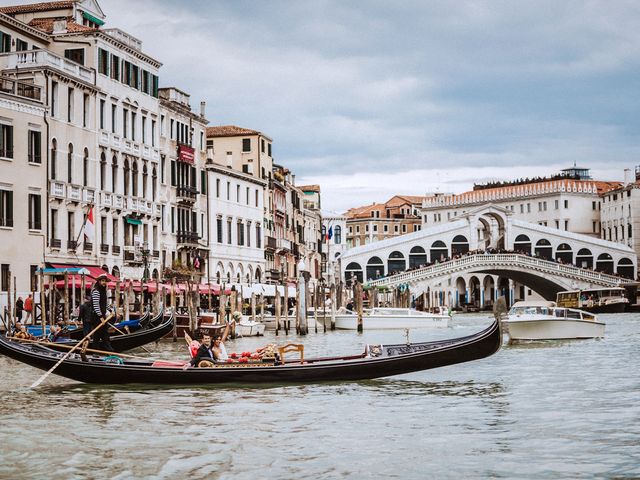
{"x": 89, "y": 226}
{"x": 330, "y": 233}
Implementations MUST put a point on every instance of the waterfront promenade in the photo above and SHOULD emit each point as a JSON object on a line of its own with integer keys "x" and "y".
{"x": 553, "y": 410}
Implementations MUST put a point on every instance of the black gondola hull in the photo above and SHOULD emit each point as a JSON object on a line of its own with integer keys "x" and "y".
{"x": 422, "y": 356}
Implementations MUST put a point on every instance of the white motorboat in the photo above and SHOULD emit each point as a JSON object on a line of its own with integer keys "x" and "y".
{"x": 540, "y": 320}
{"x": 380, "y": 318}
{"x": 248, "y": 328}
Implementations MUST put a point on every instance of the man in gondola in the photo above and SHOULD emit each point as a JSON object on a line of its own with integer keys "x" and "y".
{"x": 99, "y": 307}
{"x": 204, "y": 353}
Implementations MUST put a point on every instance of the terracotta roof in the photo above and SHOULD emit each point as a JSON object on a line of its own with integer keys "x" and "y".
{"x": 411, "y": 199}
{"x": 36, "y": 7}
{"x": 310, "y": 188}
{"x": 363, "y": 212}
{"x": 229, "y": 131}
{"x": 46, "y": 25}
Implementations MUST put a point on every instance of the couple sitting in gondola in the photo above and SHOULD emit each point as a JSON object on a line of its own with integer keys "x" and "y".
{"x": 209, "y": 352}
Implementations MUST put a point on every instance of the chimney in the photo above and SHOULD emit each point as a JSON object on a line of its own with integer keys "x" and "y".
{"x": 60, "y": 25}
{"x": 203, "y": 106}
{"x": 638, "y": 173}
{"x": 628, "y": 176}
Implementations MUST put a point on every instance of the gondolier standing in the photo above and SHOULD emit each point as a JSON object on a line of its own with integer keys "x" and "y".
{"x": 99, "y": 302}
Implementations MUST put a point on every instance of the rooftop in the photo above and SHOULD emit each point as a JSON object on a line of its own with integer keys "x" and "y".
{"x": 230, "y": 131}
{"x": 36, "y": 7}
{"x": 46, "y": 25}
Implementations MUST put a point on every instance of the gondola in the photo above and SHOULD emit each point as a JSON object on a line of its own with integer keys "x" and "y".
{"x": 376, "y": 361}
{"x": 76, "y": 332}
{"x": 157, "y": 327}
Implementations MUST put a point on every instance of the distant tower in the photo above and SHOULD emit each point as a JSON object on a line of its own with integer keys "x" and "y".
{"x": 577, "y": 172}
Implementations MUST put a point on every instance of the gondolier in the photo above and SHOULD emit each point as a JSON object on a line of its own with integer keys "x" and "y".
{"x": 99, "y": 303}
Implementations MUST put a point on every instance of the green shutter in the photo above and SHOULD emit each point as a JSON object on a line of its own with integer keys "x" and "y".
{"x": 133, "y": 221}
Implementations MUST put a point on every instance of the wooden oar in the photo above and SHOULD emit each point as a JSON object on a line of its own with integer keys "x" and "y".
{"x": 66, "y": 355}
{"x": 62, "y": 345}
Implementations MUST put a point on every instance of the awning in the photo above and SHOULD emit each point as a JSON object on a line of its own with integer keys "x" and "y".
{"x": 133, "y": 221}
{"x": 93, "y": 19}
{"x": 93, "y": 272}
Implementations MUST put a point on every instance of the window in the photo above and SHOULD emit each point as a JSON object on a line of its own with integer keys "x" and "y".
{"x": 566, "y": 224}
{"x": 173, "y": 216}
{"x": 5, "y": 43}
{"x": 238, "y": 193}
{"x": 337, "y": 233}
{"x": 153, "y": 133}
{"x": 248, "y": 234}
{"x": 258, "y": 236}
{"x": 85, "y": 110}
{"x": 174, "y": 182}
{"x": 103, "y": 170}
{"x": 269, "y": 149}
{"x": 70, "y": 95}
{"x": 229, "y": 231}
{"x": 5, "y": 277}
{"x": 85, "y": 168}
{"x": 385, "y": 228}
{"x": 6, "y": 141}
{"x": 70, "y": 164}
{"x": 246, "y": 144}
{"x": 219, "y": 229}
{"x": 133, "y": 126}
{"x": 113, "y": 118}
{"x": 256, "y": 197}
{"x": 35, "y": 212}
{"x": 228, "y": 190}
{"x": 556, "y": 204}
{"x": 33, "y": 277}
{"x": 103, "y": 61}
{"x": 521, "y": 208}
{"x": 240, "y": 234}
{"x": 75, "y": 54}
{"x": 114, "y": 233}
{"x": 54, "y": 158}
{"x": 6, "y": 208}
{"x": 566, "y": 204}
{"x": 217, "y": 188}
{"x": 102, "y": 104}
{"x": 593, "y": 206}
{"x": 54, "y": 98}
{"x": 53, "y": 226}
{"x": 125, "y": 117}
{"x": 203, "y": 182}
{"x": 21, "y": 45}
{"x": 395, "y": 228}
{"x": 114, "y": 174}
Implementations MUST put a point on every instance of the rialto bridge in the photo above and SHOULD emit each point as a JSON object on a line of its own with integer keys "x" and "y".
{"x": 541, "y": 261}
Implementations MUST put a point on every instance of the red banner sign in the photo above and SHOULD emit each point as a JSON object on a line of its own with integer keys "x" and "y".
{"x": 186, "y": 154}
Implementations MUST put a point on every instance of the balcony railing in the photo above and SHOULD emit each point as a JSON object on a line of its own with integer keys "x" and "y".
{"x": 55, "y": 243}
{"x": 57, "y": 189}
{"x": 72, "y": 245}
{"x": 89, "y": 195}
{"x": 20, "y": 89}
{"x": 187, "y": 238}
{"x": 156, "y": 253}
{"x": 44, "y": 58}
{"x": 284, "y": 244}
{"x": 115, "y": 249}
{"x": 104, "y": 248}
{"x": 187, "y": 193}
{"x": 270, "y": 242}
{"x": 106, "y": 199}
{"x": 88, "y": 246}
{"x": 74, "y": 193}
{"x": 118, "y": 201}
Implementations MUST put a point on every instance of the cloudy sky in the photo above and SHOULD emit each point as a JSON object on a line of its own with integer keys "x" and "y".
{"x": 373, "y": 98}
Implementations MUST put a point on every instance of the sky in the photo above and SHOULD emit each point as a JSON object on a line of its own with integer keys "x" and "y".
{"x": 375, "y": 98}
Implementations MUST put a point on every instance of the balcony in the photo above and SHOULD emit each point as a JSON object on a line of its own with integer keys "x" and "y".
{"x": 43, "y": 58}
{"x": 155, "y": 254}
{"x": 186, "y": 193}
{"x": 106, "y": 199}
{"x": 118, "y": 201}
{"x": 55, "y": 243}
{"x": 284, "y": 244}
{"x": 115, "y": 249}
{"x": 274, "y": 274}
{"x": 74, "y": 193}
{"x": 88, "y": 195}
{"x": 157, "y": 210}
{"x": 20, "y": 89}
{"x": 270, "y": 242}
{"x": 185, "y": 238}
{"x": 104, "y": 248}
{"x": 72, "y": 245}
{"x": 57, "y": 189}
{"x": 88, "y": 247}
{"x": 132, "y": 255}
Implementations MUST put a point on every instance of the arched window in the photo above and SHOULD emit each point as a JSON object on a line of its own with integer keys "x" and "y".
{"x": 543, "y": 249}
{"x": 144, "y": 180}
{"x": 564, "y": 253}
{"x": 417, "y": 257}
{"x": 54, "y": 158}
{"x": 134, "y": 178}
{"x": 605, "y": 263}
{"x": 103, "y": 171}
{"x": 625, "y": 268}
{"x": 438, "y": 251}
{"x": 154, "y": 184}
{"x": 115, "y": 271}
{"x": 375, "y": 268}
{"x": 85, "y": 168}
{"x": 522, "y": 244}
{"x": 70, "y": 164}
{"x": 114, "y": 173}
{"x": 459, "y": 245}
{"x": 337, "y": 235}
{"x": 584, "y": 258}
{"x": 127, "y": 176}
{"x": 258, "y": 275}
{"x": 396, "y": 263}
{"x": 353, "y": 270}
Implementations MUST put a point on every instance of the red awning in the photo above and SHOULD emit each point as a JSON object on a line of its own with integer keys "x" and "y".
{"x": 94, "y": 272}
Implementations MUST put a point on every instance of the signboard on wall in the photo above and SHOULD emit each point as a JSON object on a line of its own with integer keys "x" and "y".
{"x": 186, "y": 154}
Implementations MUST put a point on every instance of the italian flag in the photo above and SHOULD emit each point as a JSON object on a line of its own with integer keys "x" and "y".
{"x": 89, "y": 226}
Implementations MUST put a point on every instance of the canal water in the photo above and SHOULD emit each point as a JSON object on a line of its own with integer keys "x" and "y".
{"x": 566, "y": 409}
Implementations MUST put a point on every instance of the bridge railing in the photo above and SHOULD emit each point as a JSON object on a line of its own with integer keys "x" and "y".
{"x": 501, "y": 260}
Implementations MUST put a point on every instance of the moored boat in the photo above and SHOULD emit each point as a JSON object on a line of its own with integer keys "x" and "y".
{"x": 249, "y": 328}
{"x": 391, "y": 319}
{"x": 376, "y": 361}
{"x": 541, "y": 320}
{"x": 596, "y": 300}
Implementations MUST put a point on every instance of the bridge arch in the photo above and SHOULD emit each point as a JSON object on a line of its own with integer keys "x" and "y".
{"x": 417, "y": 257}
{"x": 543, "y": 249}
{"x": 438, "y": 251}
{"x": 625, "y": 268}
{"x": 459, "y": 245}
{"x": 604, "y": 263}
{"x": 375, "y": 268}
{"x": 396, "y": 262}
{"x": 584, "y": 258}
{"x": 353, "y": 270}
{"x": 522, "y": 244}
{"x": 564, "y": 253}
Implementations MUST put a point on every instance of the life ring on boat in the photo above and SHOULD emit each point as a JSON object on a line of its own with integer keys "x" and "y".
{"x": 113, "y": 359}
{"x": 205, "y": 364}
